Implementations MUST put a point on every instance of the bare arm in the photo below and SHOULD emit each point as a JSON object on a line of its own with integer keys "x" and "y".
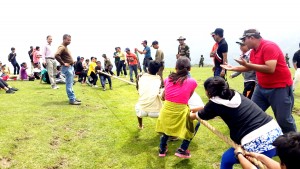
{"x": 268, "y": 67}
{"x": 295, "y": 65}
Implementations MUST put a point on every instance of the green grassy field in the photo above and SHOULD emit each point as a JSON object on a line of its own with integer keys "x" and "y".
{"x": 39, "y": 129}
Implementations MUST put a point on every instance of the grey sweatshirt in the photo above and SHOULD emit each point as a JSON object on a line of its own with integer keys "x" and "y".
{"x": 248, "y": 76}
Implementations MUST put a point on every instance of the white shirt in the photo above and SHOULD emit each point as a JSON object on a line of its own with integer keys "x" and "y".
{"x": 48, "y": 52}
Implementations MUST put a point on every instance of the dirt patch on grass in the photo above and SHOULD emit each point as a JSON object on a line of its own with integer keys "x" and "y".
{"x": 62, "y": 163}
{"x": 82, "y": 133}
{"x": 54, "y": 143}
{"x": 5, "y": 162}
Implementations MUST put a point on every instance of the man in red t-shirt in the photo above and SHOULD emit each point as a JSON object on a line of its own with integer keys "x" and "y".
{"x": 274, "y": 86}
{"x": 132, "y": 63}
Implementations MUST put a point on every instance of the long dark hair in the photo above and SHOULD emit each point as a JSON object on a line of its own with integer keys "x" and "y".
{"x": 183, "y": 66}
{"x": 217, "y": 86}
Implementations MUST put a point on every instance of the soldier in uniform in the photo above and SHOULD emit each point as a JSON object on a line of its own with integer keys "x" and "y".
{"x": 183, "y": 49}
{"x": 201, "y": 63}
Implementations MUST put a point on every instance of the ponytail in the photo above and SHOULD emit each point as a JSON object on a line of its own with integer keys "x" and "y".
{"x": 217, "y": 86}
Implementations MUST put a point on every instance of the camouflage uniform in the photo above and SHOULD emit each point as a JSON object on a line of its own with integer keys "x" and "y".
{"x": 184, "y": 50}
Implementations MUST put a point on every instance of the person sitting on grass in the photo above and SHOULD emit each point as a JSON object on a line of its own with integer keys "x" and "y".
{"x": 23, "y": 72}
{"x": 37, "y": 71}
{"x": 6, "y": 87}
{"x": 249, "y": 125}
{"x": 287, "y": 148}
{"x": 149, "y": 102}
{"x": 173, "y": 119}
{"x": 102, "y": 76}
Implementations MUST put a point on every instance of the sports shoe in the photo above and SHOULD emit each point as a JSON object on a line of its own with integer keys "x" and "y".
{"x": 162, "y": 153}
{"x": 13, "y": 89}
{"x": 9, "y": 91}
{"x": 74, "y": 102}
{"x": 78, "y": 100}
{"x": 55, "y": 87}
{"x": 183, "y": 154}
{"x": 95, "y": 86}
{"x": 103, "y": 88}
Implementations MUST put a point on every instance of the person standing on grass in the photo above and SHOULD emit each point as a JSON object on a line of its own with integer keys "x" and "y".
{"x": 117, "y": 60}
{"x": 92, "y": 77}
{"x": 147, "y": 53}
{"x": 159, "y": 57}
{"x": 132, "y": 63}
{"x": 30, "y": 53}
{"x": 201, "y": 62}
{"x": 221, "y": 53}
{"x": 63, "y": 56}
{"x": 37, "y": 55}
{"x": 173, "y": 119}
{"x": 50, "y": 62}
{"x": 183, "y": 48}
{"x": 249, "y": 126}
{"x": 149, "y": 102}
{"x": 122, "y": 62}
{"x": 12, "y": 59}
{"x": 250, "y": 76}
{"x": 274, "y": 78}
{"x": 296, "y": 63}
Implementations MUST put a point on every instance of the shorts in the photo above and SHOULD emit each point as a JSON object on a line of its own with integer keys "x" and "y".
{"x": 141, "y": 113}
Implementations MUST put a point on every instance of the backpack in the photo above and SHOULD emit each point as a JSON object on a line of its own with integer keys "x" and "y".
{"x": 45, "y": 76}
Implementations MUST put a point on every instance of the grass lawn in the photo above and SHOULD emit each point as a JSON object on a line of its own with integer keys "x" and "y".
{"x": 39, "y": 129}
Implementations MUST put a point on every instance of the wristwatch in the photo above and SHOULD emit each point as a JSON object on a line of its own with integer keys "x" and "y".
{"x": 237, "y": 155}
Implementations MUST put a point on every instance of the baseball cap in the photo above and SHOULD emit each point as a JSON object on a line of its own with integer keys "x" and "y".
{"x": 154, "y": 43}
{"x": 144, "y": 42}
{"x": 249, "y": 32}
{"x": 240, "y": 43}
{"x": 127, "y": 49}
{"x": 218, "y": 31}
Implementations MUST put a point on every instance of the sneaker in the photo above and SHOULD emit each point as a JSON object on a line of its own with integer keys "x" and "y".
{"x": 162, "y": 153}
{"x": 183, "y": 154}
{"x": 74, "y": 102}
{"x": 103, "y": 88}
{"x": 55, "y": 87}
{"x": 95, "y": 86}
{"x": 131, "y": 80}
{"x": 87, "y": 82}
{"x": 77, "y": 100}
{"x": 13, "y": 89}
{"x": 173, "y": 138}
{"x": 9, "y": 91}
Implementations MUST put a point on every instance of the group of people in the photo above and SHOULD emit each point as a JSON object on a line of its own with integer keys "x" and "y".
{"x": 267, "y": 83}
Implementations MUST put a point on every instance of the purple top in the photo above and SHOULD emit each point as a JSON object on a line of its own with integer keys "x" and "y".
{"x": 24, "y": 75}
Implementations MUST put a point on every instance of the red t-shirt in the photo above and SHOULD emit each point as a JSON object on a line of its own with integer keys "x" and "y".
{"x": 132, "y": 59}
{"x": 268, "y": 50}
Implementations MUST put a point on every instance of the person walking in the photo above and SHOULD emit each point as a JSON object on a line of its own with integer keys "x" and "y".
{"x": 274, "y": 86}
{"x": 201, "y": 62}
{"x": 50, "y": 62}
{"x": 122, "y": 62}
{"x": 12, "y": 59}
{"x": 63, "y": 56}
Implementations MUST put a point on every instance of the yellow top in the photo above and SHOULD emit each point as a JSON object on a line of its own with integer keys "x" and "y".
{"x": 92, "y": 68}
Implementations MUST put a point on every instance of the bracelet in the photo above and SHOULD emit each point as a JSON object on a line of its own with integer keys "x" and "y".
{"x": 237, "y": 155}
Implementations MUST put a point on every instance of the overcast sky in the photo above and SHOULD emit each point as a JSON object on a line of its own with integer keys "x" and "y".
{"x": 97, "y": 27}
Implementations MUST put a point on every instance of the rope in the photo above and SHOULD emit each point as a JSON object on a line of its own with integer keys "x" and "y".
{"x": 229, "y": 141}
{"x": 118, "y": 78}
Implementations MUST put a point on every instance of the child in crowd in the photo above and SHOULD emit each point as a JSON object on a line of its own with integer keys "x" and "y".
{"x": 23, "y": 73}
{"x": 37, "y": 71}
{"x": 92, "y": 77}
{"x": 249, "y": 126}
{"x": 6, "y": 87}
{"x": 149, "y": 102}
{"x": 174, "y": 118}
{"x": 102, "y": 76}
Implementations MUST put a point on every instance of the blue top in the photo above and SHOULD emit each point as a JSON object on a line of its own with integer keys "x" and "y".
{"x": 148, "y": 52}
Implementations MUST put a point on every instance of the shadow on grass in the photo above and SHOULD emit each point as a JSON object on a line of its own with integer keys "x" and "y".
{"x": 51, "y": 103}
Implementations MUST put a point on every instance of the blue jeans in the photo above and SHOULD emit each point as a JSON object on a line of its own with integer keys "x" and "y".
{"x": 69, "y": 73}
{"x": 133, "y": 68}
{"x": 281, "y": 101}
{"x": 103, "y": 80}
{"x": 184, "y": 145}
{"x": 228, "y": 159}
{"x": 217, "y": 71}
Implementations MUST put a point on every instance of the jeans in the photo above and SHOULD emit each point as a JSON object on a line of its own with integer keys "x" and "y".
{"x": 103, "y": 80}
{"x": 184, "y": 145}
{"x": 133, "y": 68}
{"x": 16, "y": 67}
{"x": 281, "y": 101}
{"x": 51, "y": 69}
{"x": 120, "y": 66}
{"x": 228, "y": 159}
{"x": 69, "y": 73}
